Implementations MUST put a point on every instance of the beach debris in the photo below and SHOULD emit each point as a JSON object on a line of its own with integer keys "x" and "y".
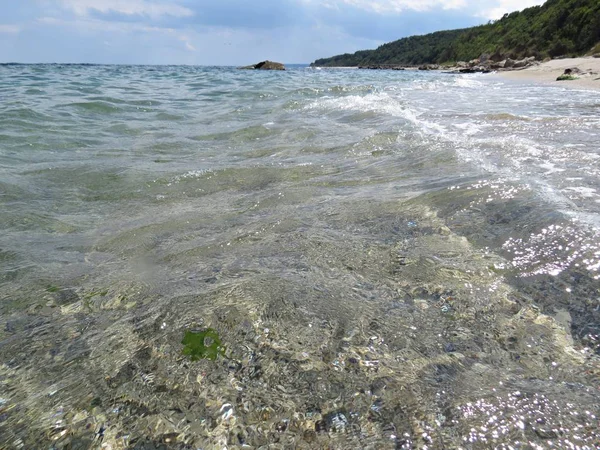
{"x": 568, "y": 75}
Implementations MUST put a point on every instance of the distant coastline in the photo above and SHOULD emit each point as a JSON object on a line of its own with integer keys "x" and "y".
{"x": 558, "y": 28}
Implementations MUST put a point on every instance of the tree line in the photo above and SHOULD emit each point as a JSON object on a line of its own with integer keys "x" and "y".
{"x": 556, "y": 28}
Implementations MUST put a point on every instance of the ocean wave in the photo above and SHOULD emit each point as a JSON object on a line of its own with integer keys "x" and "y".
{"x": 100, "y": 107}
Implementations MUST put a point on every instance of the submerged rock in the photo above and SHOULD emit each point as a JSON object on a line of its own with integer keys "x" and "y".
{"x": 335, "y": 422}
{"x": 265, "y": 65}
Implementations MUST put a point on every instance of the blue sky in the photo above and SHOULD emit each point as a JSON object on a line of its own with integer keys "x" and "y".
{"x": 223, "y": 32}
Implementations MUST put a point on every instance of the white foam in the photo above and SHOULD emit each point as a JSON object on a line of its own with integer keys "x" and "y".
{"x": 525, "y": 151}
{"x": 550, "y": 168}
{"x": 468, "y": 128}
{"x": 583, "y": 191}
{"x": 382, "y": 103}
{"x": 468, "y": 82}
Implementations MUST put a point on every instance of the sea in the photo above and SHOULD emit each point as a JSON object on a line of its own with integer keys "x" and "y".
{"x": 213, "y": 258}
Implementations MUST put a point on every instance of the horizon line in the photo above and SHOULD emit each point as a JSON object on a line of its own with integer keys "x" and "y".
{"x": 14, "y": 63}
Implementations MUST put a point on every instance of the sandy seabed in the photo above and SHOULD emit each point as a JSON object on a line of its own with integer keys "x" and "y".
{"x": 548, "y": 72}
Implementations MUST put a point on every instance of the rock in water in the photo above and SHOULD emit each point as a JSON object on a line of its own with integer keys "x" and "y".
{"x": 266, "y": 65}
{"x": 269, "y": 65}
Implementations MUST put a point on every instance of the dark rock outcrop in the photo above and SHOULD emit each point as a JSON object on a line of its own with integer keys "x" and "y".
{"x": 265, "y": 65}
{"x": 382, "y": 67}
{"x": 572, "y": 71}
{"x": 476, "y": 69}
{"x": 520, "y": 64}
{"x": 525, "y": 62}
{"x": 486, "y": 63}
{"x": 429, "y": 67}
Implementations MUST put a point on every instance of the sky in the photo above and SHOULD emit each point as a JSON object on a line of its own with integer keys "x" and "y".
{"x": 223, "y": 32}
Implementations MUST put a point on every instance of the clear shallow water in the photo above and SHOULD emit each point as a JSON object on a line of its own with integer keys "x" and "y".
{"x": 390, "y": 259}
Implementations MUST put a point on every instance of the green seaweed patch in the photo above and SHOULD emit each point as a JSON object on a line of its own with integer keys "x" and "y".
{"x": 52, "y": 289}
{"x": 566, "y": 77}
{"x": 91, "y": 295}
{"x": 202, "y": 345}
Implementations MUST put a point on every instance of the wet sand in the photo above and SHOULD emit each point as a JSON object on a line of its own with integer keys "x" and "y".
{"x": 549, "y": 71}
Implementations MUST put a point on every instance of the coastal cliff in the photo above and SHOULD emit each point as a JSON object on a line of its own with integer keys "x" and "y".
{"x": 556, "y": 28}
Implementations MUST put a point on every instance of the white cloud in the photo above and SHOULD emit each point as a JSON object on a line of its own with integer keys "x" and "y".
{"x": 101, "y": 26}
{"x": 495, "y": 10}
{"x": 225, "y": 31}
{"x": 396, "y": 6}
{"x": 188, "y": 44}
{"x": 94, "y": 25}
{"x": 152, "y": 9}
{"x": 402, "y": 5}
{"x": 488, "y": 9}
{"x": 10, "y": 29}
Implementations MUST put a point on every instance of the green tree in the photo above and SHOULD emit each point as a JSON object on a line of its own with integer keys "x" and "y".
{"x": 558, "y": 27}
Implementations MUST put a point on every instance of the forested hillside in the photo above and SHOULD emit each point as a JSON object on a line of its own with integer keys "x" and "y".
{"x": 557, "y": 28}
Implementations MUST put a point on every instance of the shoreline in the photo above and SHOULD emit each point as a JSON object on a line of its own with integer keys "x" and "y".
{"x": 586, "y": 69}
{"x": 547, "y": 72}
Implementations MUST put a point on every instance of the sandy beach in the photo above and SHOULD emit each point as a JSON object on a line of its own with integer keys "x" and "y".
{"x": 547, "y": 72}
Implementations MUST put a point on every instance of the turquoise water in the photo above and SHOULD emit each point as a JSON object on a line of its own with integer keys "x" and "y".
{"x": 377, "y": 259}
